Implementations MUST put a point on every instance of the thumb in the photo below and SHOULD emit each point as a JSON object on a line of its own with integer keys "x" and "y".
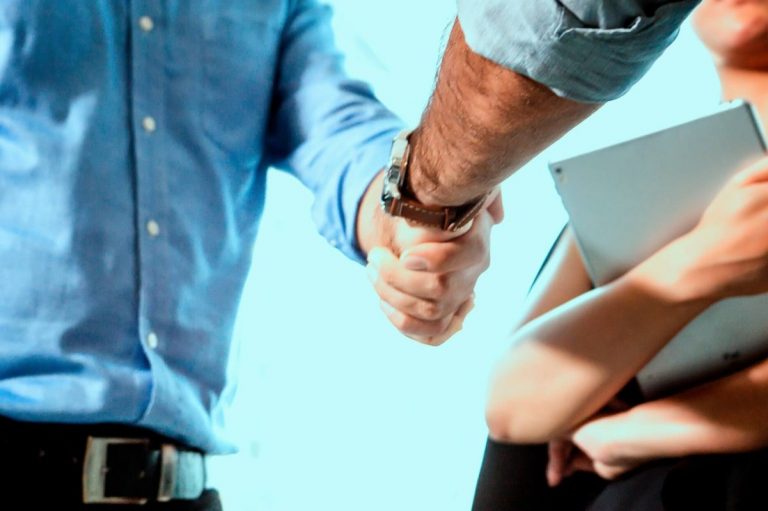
{"x": 559, "y": 452}
{"x": 408, "y": 234}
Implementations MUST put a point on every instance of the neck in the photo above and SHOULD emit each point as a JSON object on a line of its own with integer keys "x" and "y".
{"x": 747, "y": 84}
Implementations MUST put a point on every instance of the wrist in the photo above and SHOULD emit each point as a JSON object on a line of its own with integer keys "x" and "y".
{"x": 602, "y": 438}
{"x": 670, "y": 275}
{"x": 433, "y": 162}
{"x": 422, "y": 181}
{"x": 399, "y": 200}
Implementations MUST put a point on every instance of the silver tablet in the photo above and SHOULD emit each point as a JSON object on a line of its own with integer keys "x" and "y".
{"x": 628, "y": 200}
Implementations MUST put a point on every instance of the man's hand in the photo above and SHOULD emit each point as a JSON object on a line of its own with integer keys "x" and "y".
{"x": 425, "y": 277}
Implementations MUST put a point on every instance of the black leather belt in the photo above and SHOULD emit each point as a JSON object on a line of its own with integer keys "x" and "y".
{"x": 97, "y": 464}
{"x": 121, "y": 470}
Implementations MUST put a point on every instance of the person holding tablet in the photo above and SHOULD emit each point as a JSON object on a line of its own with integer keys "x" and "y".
{"x": 579, "y": 435}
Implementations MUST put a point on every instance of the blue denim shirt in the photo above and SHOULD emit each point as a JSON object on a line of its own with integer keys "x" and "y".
{"x": 134, "y": 142}
{"x": 586, "y": 50}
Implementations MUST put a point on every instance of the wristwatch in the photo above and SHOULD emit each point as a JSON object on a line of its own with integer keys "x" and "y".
{"x": 396, "y": 199}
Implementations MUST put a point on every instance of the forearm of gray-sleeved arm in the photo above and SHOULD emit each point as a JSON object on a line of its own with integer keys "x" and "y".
{"x": 585, "y": 50}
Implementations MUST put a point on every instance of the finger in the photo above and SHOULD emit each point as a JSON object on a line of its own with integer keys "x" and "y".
{"x": 559, "y": 451}
{"x": 419, "y": 308}
{"x": 471, "y": 249}
{"x": 610, "y": 471}
{"x": 415, "y": 328}
{"x": 455, "y": 325}
{"x": 408, "y": 234}
{"x": 579, "y": 462}
{"x": 453, "y": 287}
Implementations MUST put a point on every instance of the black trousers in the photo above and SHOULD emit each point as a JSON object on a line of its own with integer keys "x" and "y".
{"x": 48, "y": 495}
{"x": 208, "y": 501}
{"x": 512, "y": 478}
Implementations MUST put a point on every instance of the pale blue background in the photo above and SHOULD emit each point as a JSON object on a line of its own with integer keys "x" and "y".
{"x": 335, "y": 410}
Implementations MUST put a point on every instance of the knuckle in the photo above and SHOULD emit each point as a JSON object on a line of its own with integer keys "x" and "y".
{"x": 385, "y": 277}
{"x": 437, "y": 286}
{"x": 443, "y": 259}
{"x": 430, "y": 310}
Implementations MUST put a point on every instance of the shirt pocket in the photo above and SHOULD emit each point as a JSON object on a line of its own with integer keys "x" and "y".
{"x": 240, "y": 50}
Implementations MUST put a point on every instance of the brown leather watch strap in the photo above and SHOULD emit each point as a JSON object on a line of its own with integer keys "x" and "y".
{"x": 445, "y": 218}
{"x": 397, "y": 200}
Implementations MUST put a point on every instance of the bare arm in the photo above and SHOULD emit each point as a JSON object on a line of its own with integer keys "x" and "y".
{"x": 565, "y": 365}
{"x": 484, "y": 121}
{"x": 726, "y": 415}
{"x": 569, "y": 362}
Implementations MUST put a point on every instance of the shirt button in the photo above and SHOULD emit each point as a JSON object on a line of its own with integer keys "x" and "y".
{"x": 149, "y": 124}
{"x": 152, "y": 340}
{"x": 153, "y": 228}
{"x": 146, "y": 23}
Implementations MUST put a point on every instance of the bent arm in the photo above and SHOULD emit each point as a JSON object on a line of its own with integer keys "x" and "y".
{"x": 726, "y": 415}
{"x": 566, "y": 364}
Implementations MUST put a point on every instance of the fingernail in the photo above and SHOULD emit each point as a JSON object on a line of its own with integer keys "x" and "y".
{"x": 415, "y": 263}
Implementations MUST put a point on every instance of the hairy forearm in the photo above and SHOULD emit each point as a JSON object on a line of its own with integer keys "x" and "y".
{"x": 727, "y": 415}
{"x": 565, "y": 365}
{"x": 483, "y": 122}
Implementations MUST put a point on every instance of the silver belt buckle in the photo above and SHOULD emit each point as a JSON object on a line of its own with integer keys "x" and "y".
{"x": 95, "y": 471}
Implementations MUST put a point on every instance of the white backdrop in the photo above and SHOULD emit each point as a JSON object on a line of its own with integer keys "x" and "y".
{"x": 335, "y": 410}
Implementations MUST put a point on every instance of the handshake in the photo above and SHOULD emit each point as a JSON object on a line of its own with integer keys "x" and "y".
{"x": 425, "y": 277}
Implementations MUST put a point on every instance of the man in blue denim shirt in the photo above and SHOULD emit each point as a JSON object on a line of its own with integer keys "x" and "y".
{"x": 134, "y": 142}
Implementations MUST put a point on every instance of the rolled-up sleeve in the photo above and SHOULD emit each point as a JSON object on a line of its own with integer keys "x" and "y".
{"x": 327, "y": 129}
{"x": 585, "y": 50}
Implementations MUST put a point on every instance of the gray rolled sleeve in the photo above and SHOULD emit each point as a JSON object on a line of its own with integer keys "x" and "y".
{"x": 585, "y": 50}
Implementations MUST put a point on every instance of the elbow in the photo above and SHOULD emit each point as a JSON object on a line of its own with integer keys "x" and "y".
{"x": 512, "y": 424}
{"x": 500, "y": 425}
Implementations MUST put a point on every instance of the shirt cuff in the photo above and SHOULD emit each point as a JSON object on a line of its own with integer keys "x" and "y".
{"x": 352, "y": 185}
{"x": 592, "y": 61}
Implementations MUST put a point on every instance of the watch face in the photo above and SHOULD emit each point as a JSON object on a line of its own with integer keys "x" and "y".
{"x": 391, "y": 188}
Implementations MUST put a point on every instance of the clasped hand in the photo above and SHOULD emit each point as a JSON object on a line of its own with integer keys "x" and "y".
{"x": 425, "y": 278}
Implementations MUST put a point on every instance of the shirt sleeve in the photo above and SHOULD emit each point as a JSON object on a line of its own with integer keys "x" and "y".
{"x": 585, "y": 50}
{"x": 327, "y": 129}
